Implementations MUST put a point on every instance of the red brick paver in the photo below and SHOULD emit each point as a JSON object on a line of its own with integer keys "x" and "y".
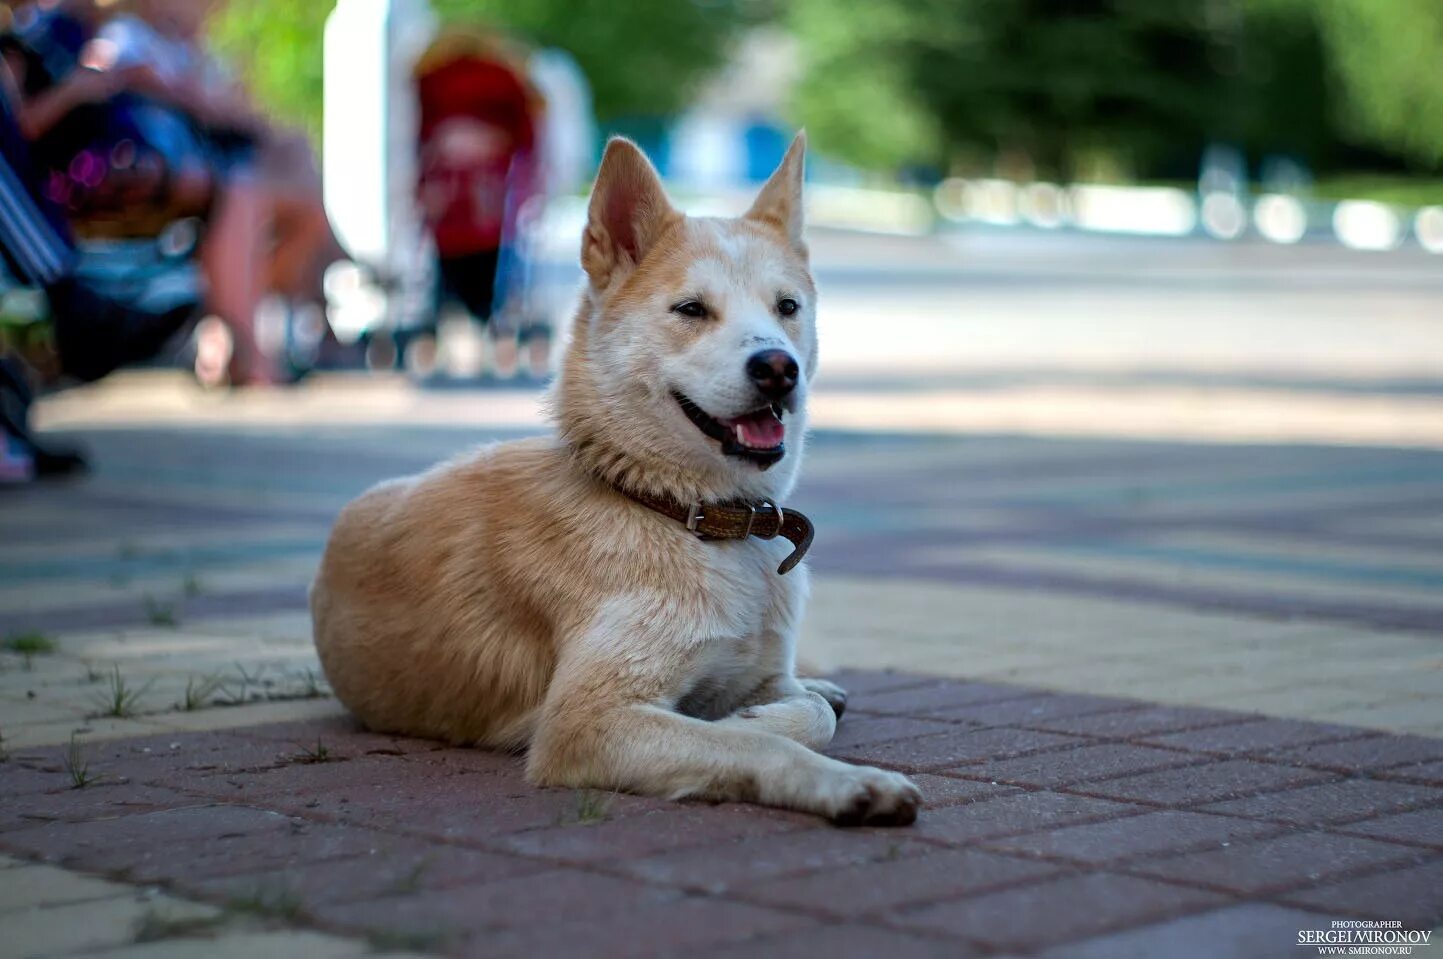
{"x": 1054, "y": 825}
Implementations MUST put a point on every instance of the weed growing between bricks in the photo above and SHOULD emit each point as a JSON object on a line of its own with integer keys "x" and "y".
{"x": 159, "y": 612}
{"x": 28, "y": 645}
{"x": 76, "y": 766}
{"x": 121, "y": 700}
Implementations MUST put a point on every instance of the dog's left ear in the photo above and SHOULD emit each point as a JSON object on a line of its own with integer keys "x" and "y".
{"x": 780, "y": 202}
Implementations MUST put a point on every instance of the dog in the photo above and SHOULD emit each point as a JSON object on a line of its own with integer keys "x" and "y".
{"x": 602, "y": 598}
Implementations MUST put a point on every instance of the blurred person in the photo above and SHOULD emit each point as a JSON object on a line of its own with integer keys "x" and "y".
{"x": 100, "y": 164}
{"x": 94, "y": 333}
{"x": 269, "y": 232}
{"x": 478, "y": 139}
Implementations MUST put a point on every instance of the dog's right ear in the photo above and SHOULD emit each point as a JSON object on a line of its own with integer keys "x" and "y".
{"x": 629, "y": 213}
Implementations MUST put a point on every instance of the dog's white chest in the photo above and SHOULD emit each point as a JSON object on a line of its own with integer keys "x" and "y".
{"x": 751, "y": 635}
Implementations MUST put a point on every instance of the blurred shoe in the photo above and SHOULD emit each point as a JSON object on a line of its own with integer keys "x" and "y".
{"x": 22, "y": 456}
{"x": 17, "y": 465}
{"x": 53, "y": 462}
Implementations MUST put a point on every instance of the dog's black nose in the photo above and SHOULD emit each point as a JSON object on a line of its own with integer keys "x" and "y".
{"x": 774, "y": 372}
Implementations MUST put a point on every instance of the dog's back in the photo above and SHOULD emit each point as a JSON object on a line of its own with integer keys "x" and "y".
{"x": 418, "y": 621}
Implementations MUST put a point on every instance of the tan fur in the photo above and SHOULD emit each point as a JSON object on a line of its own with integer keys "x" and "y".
{"x": 513, "y": 598}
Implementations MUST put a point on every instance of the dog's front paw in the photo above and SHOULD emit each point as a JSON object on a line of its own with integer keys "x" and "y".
{"x": 835, "y": 695}
{"x": 864, "y": 796}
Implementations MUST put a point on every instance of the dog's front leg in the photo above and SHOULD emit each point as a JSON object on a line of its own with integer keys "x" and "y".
{"x": 607, "y": 723}
{"x": 785, "y": 706}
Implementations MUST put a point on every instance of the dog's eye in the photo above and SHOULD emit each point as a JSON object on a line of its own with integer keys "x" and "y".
{"x": 787, "y": 306}
{"x": 692, "y": 308}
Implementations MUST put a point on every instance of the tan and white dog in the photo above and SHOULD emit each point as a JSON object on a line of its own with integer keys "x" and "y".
{"x": 518, "y": 597}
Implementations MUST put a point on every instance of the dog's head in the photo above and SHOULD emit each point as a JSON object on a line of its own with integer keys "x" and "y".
{"x": 695, "y": 345}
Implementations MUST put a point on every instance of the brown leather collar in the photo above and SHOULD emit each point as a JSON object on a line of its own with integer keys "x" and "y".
{"x": 764, "y": 520}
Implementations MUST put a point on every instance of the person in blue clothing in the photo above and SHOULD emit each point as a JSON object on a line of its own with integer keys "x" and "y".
{"x": 94, "y": 333}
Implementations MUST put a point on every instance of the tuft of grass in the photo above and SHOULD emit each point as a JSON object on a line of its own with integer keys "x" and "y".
{"x": 76, "y": 766}
{"x": 156, "y": 926}
{"x": 246, "y": 681}
{"x": 592, "y": 807}
{"x": 277, "y": 902}
{"x": 160, "y": 613}
{"x": 313, "y": 686}
{"x": 321, "y": 754}
{"x": 199, "y": 690}
{"x": 30, "y": 644}
{"x": 120, "y": 699}
{"x": 191, "y": 585}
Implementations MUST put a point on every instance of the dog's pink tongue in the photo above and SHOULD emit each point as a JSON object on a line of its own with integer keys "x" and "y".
{"x": 760, "y": 430}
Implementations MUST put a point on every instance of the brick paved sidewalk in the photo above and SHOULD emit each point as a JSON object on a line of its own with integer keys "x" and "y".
{"x": 1056, "y": 824}
{"x": 156, "y": 612}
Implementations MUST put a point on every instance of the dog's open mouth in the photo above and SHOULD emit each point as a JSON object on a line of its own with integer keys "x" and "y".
{"x": 758, "y": 436}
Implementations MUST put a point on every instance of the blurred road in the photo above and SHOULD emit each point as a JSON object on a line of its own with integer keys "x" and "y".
{"x": 1021, "y": 301}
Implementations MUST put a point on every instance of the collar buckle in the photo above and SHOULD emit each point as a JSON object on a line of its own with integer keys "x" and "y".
{"x": 754, "y": 511}
{"x": 694, "y": 515}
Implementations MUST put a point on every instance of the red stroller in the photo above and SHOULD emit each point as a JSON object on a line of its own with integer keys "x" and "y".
{"x": 479, "y": 123}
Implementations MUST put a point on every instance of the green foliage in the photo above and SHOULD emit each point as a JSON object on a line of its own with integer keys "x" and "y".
{"x": 1388, "y": 55}
{"x": 277, "y": 46}
{"x": 1051, "y": 87}
{"x": 1028, "y": 78}
{"x": 643, "y": 57}
{"x": 855, "y": 96}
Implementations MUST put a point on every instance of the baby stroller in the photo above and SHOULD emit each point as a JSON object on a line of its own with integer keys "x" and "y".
{"x": 478, "y": 183}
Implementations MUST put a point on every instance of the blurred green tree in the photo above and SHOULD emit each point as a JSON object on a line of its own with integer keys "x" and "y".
{"x": 1388, "y": 57}
{"x": 643, "y": 57}
{"x": 277, "y": 46}
{"x": 1062, "y": 87}
{"x": 1043, "y": 80}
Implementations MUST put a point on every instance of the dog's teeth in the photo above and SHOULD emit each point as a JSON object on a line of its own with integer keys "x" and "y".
{"x": 741, "y": 436}
{"x": 777, "y": 410}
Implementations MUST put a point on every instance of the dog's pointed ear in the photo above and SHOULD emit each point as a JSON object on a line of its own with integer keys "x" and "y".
{"x": 629, "y": 212}
{"x": 780, "y": 202}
